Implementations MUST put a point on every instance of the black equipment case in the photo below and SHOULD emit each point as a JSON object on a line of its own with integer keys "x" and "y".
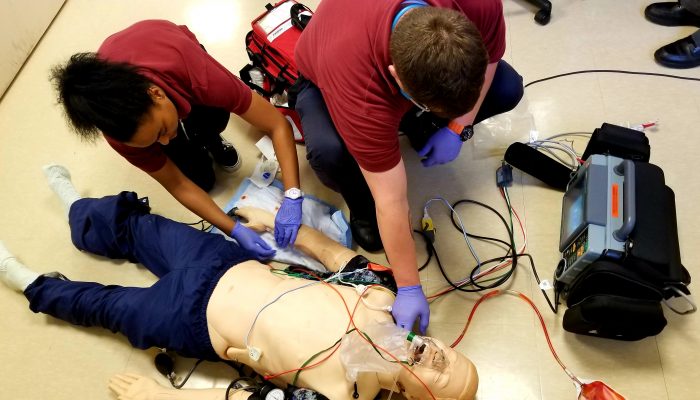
{"x": 622, "y": 298}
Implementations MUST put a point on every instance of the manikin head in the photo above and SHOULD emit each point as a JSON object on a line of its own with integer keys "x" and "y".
{"x": 113, "y": 98}
{"x": 439, "y": 60}
{"x": 447, "y": 372}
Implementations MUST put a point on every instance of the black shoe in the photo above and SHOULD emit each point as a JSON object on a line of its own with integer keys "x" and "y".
{"x": 671, "y": 14}
{"x": 684, "y": 53}
{"x": 225, "y": 155}
{"x": 366, "y": 234}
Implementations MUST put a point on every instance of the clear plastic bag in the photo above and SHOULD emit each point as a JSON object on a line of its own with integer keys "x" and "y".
{"x": 492, "y": 136}
{"x": 357, "y": 355}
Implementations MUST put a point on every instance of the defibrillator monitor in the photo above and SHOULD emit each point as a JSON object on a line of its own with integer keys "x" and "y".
{"x": 573, "y": 215}
{"x": 597, "y": 214}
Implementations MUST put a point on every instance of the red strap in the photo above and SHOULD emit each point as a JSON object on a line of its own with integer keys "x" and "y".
{"x": 455, "y": 127}
{"x": 376, "y": 267}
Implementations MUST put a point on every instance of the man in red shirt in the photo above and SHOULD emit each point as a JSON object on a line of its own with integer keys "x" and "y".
{"x": 365, "y": 64}
{"x": 161, "y": 101}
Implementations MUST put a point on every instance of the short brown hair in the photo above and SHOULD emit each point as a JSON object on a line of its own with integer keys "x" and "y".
{"x": 440, "y": 58}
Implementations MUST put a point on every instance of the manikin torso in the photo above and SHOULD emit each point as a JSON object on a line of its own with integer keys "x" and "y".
{"x": 313, "y": 318}
{"x": 291, "y": 330}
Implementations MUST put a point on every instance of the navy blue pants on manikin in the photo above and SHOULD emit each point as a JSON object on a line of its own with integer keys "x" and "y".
{"x": 172, "y": 312}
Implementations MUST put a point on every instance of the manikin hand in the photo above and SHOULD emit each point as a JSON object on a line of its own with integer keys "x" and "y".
{"x": 441, "y": 148}
{"x": 135, "y": 387}
{"x": 251, "y": 241}
{"x": 409, "y": 305}
{"x": 287, "y": 221}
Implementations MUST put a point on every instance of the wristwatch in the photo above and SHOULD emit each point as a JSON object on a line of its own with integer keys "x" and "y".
{"x": 465, "y": 132}
{"x": 293, "y": 193}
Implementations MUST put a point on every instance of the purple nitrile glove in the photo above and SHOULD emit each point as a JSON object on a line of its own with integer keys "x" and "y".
{"x": 251, "y": 241}
{"x": 409, "y": 305}
{"x": 287, "y": 221}
{"x": 442, "y": 147}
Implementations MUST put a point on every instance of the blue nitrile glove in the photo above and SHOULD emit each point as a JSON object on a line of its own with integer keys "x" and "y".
{"x": 441, "y": 148}
{"x": 410, "y": 304}
{"x": 251, "y": 241}
{"x": 287, "y": 221}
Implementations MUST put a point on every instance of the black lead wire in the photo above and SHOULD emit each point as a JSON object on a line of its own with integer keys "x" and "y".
{"x": 511, "y": 253}
{"x": 612, "y": 71}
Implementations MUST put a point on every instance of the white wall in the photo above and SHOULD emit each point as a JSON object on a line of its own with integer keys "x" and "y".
{"x": 22, "y": 23}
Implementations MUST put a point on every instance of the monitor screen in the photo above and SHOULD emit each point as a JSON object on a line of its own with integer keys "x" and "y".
{"x": 573, "y": 211}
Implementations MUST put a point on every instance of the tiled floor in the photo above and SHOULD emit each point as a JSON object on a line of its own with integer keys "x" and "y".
{"x": 45, "y": 358}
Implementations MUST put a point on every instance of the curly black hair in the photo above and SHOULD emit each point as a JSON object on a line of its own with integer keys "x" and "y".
{"x": 102, "y": 96}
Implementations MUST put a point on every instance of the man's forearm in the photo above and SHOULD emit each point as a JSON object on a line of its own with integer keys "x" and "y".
{"x": 390, "y": 192}
{"x": 395, "y": 229}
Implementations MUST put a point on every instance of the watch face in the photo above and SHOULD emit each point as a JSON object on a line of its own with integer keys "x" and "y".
{"x": 467, "y": 133}
{"x": 275, "y": 394}
{"x": 293, "y": 193}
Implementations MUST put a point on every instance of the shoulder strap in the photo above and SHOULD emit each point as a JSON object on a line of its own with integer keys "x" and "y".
{"x": 301, "y": 15}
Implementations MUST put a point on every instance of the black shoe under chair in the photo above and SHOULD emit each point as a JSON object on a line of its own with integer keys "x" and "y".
{"x": 671, "y": 14}
{"x": 683, "y": 53}
{"x": 366, "y": 233}
{"x": 544, "y": 12}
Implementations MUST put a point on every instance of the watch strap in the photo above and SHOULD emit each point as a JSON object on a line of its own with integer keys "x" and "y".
{"x": 465, "y": 132}
{"x": 455, "y": 127}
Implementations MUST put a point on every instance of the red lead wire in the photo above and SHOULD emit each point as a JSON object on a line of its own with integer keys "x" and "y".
{"x": 539, "y": 315}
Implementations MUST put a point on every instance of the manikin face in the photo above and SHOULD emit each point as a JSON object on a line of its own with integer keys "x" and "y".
{"x": 159, "y": 124}
{"x": 457, "y": 380}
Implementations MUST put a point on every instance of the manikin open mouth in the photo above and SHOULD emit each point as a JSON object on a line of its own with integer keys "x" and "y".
{"x": 426, "y": 353}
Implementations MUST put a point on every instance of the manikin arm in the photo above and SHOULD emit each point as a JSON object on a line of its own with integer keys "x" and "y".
{"x": 137, "y": 387}
{"x": 312, "y": 242}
